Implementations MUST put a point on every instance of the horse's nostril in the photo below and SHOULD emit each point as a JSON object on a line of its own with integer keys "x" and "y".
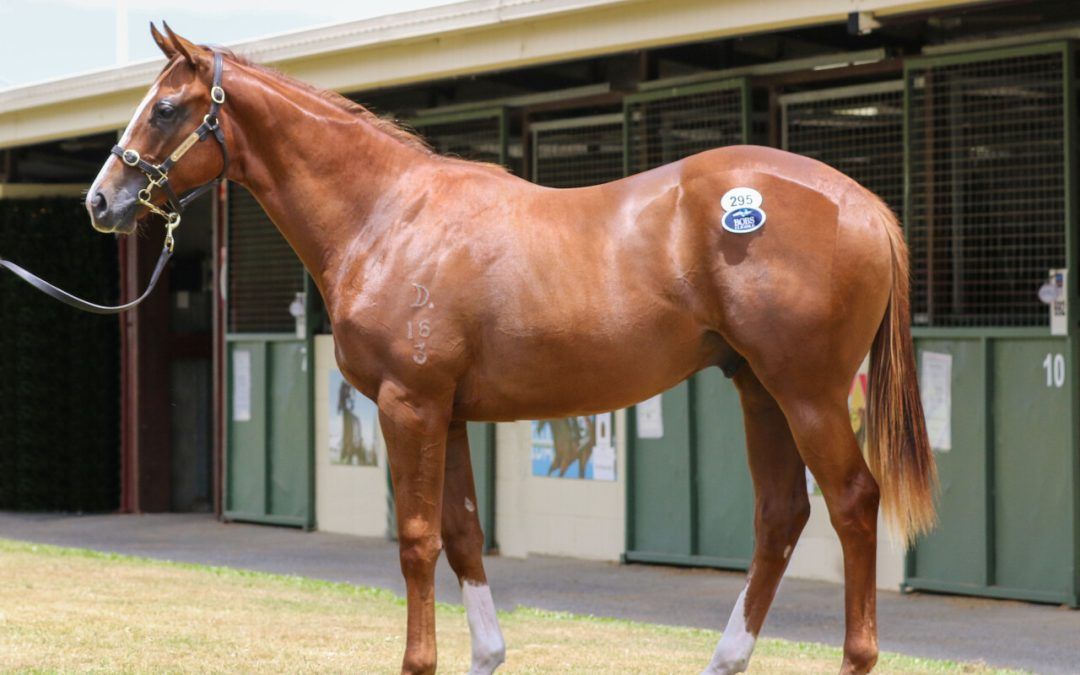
{"x": 100, "y": 203}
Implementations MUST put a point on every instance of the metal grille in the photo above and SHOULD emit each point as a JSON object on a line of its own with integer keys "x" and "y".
{"x": 477, "y": 138}
{"x": 580, "y": 152}
{"x": 264, "y": 273}
{"x": 986, "y": 217}
{"x": 858, "y": 130}
{"x": 665, "y": 128}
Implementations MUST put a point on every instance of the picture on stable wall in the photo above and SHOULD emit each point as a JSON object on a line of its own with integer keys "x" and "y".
{"x": 575, "y": 447}
{"x": 353, "y": 424}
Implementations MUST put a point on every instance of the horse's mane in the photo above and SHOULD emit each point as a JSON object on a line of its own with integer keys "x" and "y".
{"x": 387, "y": 126}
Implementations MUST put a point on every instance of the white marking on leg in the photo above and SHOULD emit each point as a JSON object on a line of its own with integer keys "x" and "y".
{"x": 488, "y": 648}
{"x": 787, "y": 552}
{"x": 469, "y": 506}
{"x": 733, "y": 652}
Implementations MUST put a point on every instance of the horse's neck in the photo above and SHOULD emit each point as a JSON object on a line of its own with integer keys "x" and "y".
{"x": 322, "y": 174}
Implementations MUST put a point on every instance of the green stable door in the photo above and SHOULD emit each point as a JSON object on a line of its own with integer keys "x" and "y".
{"x": 691, "y": 500}
{"x": 990, "y": 170}
{"x": 269, "y": 370}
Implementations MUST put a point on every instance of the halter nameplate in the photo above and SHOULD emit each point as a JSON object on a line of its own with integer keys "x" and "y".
{"x": 184, "y": 147}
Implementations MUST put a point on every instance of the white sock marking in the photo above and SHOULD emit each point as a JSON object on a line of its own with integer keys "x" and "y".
{"x": 733, "y": 652}
{"x": 488, "y": 648}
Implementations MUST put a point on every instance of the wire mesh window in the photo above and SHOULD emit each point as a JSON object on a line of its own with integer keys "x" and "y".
{"x": 576, "y": 153}
{"x": 663, "y": 130}
{"x": 477, "y": 138}
{"x": 858, "y": 130}
{"x": 264, "y": 273}
{"x": 986, "y": 217}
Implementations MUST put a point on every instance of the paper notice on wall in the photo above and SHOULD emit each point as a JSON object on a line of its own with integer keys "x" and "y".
{"x": 1059, "y": 305}
{"x": 604, "y": 451}
{"x": 241, "y": 376}
{"x": 935, "y": 382}
{"x": 650, "y": 418}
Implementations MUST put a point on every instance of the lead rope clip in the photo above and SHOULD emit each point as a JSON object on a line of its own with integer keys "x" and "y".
{"x": 172, "y": 223}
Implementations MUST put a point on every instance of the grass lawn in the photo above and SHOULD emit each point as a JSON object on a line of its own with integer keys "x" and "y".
{"x": 76, "y": 610}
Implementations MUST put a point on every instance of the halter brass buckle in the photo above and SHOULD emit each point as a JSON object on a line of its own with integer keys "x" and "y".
{"x": 130, "y": 157}
{"x": 217, "y": 94}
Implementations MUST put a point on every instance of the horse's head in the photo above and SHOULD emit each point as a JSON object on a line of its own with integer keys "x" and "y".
{"x": 145, "y": 173}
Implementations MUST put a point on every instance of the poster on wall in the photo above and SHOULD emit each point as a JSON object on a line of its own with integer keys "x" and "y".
{"x": 935, "y": 386}
{"x": 650, "y": 417}
{"x": 241, "y": 376}
{"x": 575, "y": 447}
{"x": 353, "y": 424}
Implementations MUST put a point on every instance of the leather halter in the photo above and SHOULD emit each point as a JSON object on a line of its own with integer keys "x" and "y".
{"x": 158, "y": 177}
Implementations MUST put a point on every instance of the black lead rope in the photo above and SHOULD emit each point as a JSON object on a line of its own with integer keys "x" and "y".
{"x": 158, "y": 177}
{"x": 78, "y": 303}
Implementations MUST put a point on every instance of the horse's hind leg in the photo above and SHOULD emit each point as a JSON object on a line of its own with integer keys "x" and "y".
{"x": 464, "y": 542}
{"x": 415, "y": 433}
{"x": 821, "y": 425}
{"x": 781, "y": 511}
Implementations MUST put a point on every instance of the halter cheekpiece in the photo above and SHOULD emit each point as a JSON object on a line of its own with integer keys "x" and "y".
{"x": 157, "y": 175}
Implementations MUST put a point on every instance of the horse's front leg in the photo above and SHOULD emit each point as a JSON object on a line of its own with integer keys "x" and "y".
{"x": 464, "y": 540}
{"x": 415, "y": 430}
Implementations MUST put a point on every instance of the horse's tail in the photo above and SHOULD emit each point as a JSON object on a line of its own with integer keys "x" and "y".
{"x": 898, "y": 447}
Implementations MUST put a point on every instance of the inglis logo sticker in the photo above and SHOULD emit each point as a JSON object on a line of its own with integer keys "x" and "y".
{"x": 741, "y": 221}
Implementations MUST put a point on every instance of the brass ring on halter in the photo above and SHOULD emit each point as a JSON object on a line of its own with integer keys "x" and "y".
{"x": 210, "y": 122}
{"x": 217, "y": 94}
{"x": 130, "y": 157}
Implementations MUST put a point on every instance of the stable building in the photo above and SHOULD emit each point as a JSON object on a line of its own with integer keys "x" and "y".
{"x": 223, "y": 392}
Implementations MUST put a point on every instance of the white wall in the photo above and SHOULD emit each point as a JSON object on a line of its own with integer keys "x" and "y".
{"x": 348, "y": 499}
{"x": 556, "y": 516}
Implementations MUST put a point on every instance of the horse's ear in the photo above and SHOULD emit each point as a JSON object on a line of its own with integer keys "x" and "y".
{"x": 189, "y": 50}
{"x": 162, "y": 42}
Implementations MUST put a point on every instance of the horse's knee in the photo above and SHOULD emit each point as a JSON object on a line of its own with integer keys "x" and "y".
{"x": 418, "y": 547}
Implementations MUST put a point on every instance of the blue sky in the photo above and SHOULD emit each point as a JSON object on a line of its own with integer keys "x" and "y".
{"x": 47, "y": 39}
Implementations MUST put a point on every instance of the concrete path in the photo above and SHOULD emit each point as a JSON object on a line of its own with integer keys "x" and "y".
{"x": 1039, "y": 638}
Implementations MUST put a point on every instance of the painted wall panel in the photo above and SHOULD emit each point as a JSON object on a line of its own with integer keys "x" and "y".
{"x": 556, "y": 516}
{"x": 348, "y": 499}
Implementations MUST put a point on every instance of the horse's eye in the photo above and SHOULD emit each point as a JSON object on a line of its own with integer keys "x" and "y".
{"x": 164, "y": 110}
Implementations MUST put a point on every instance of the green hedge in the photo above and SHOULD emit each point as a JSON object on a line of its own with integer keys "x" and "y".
{"x": 59, "y": 367}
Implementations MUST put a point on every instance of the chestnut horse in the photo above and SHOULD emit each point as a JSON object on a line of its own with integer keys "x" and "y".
{"x": 459, "y": 292}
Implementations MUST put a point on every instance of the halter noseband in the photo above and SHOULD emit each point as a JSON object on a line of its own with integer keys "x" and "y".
{"x": 158, "y": 174}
